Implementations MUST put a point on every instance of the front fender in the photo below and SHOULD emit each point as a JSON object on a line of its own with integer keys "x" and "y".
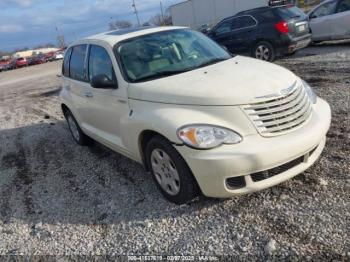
{"x": 166, "y": 119}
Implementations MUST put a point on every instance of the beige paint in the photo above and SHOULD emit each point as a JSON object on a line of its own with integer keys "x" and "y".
{"x": 216, "y": 97}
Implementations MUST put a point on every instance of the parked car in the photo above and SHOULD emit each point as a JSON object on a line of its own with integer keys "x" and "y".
{"x": 20, "y": 62}
{"x": 198, "y": 118}
{"x": 5, "y": 65}
{"x": 50, "y": 57}
{"x": 330, "y": 20}
{"x": 59, "y": 56}
{"x": 40, "y": 59}
{"x": 264, "y": 33}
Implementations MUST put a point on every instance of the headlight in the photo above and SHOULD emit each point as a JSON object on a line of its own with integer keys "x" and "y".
{"x": 310, "y": 92}
{"x": 207, "y": 136}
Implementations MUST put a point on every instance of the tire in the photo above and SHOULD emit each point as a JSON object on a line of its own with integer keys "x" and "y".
{"x": 75, "y": 130}
{"x": 170, "y": 172}
{"x": 264, "y": 51}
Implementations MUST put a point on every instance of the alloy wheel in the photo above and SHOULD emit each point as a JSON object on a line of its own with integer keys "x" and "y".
{"x": 165, "y": 172}
{"x": 262, "y": 52}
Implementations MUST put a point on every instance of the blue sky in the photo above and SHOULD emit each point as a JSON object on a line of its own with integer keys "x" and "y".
{"x": 32, "y": 22}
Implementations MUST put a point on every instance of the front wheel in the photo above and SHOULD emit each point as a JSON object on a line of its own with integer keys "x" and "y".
{"x": 170, "y": 172}
{"x": 264, "y": 51}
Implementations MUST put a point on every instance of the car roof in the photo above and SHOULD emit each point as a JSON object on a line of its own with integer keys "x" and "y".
{"x": 116, "y": 36}
{"x": 260, "y": 9}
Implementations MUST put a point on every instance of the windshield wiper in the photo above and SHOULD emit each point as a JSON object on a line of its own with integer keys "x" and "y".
{"x": 161, "y": 74}
{"x": 211, "y": 62}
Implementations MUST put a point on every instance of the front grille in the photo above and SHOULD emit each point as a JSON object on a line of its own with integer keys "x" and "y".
{"x": 260, "y": 176}
{"x": 278, "y": 116}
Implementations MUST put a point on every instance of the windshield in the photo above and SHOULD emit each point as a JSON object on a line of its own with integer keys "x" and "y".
{"x": 167, "y": 53}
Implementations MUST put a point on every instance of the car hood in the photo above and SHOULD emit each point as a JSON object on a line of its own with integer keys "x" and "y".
{"x": 237, "y": 81}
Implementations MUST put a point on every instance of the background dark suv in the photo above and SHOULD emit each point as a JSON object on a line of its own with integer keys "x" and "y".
{"x": 265, "y": 32}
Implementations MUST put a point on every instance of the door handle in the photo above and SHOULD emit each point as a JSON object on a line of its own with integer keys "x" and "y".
{"x": 88, "y": 94}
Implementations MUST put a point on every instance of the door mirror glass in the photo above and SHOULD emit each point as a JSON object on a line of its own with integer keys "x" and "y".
{"x": 102, "y": 81}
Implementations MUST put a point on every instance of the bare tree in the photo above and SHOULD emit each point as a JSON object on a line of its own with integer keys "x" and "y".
{"x": 44, "y": 46}
{"x": 159, "y": 20}
{"x": 119, "y": 25}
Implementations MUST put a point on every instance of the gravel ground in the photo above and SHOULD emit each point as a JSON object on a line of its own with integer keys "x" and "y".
{"x": 57, "y": 198}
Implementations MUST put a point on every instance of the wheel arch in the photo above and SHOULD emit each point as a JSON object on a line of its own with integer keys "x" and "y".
{"x": 64, "y": 108}
{"x": 144, "y": 137}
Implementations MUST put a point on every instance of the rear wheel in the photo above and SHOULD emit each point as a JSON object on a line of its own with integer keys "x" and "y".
{"x": 75, "y": 130}
{"x": 264, "y": 51}
{"x": 170, "y": 172}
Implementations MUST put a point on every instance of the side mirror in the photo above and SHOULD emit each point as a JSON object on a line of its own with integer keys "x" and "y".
{"x": 103, "y": 81}
{"x": 312, "y": 16}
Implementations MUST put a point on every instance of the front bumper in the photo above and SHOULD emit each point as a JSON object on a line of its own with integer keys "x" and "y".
{"x": 212, "y": 168}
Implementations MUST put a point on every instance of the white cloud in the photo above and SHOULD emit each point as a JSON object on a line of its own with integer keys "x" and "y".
{"x": 10, "y": 28}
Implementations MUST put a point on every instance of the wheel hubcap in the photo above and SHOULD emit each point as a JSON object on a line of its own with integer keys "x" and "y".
{"x": 165, "y": 172}
{"x": 73, "y": 128}
{"x": 262, "y": 52}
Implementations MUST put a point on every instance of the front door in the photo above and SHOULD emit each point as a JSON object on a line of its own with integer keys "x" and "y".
{"x": 107, "y": 106}
{"x": 340, "y": 22}
{"x": 320, "y": 21}
{"x": 222, "y": 34}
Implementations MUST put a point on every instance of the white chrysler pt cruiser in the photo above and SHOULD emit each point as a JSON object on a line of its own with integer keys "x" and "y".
{"x": 198, "y": 118}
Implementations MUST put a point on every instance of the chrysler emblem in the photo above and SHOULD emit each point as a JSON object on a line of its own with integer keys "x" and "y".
{"x": 283, "y": 92}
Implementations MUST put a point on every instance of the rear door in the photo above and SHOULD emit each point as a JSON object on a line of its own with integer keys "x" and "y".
{"x": 320, "y": 21}
{"x": 78, "y": 84}
{"x": 340, "y": 22}
{"x": 243, "y": 33}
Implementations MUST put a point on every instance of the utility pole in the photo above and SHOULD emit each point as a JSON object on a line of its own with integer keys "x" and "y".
{"x": 162, "y": 12}
{"x": 60, "y": 38}
{"x": 135, "y": 12}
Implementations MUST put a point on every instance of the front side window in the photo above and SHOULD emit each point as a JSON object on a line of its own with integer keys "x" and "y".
{"x": 224, "y": 27}
{"x": 167, "y": 53}
{"x": 326, "y": 9}
{"x": 243, "y": 22}
{"x": 77, "y": 62}
{"x": 100, "y": 63}
{"x": 343, "y": 6}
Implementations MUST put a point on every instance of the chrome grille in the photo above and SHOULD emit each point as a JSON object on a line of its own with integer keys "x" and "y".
{"x": 281, "y": 115}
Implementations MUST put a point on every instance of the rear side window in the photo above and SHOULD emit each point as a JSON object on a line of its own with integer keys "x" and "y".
{"x": 243, "y": 22}
{"x": 100, "y": 63}
{"x": 65, "y": 66}
{"x": 343, "y": 6}
{"x": 77, "y": 63}
{"x": 290, "y": 12}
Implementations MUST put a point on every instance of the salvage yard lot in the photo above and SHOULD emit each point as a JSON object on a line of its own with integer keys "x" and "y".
{"x": 61, "y": 199}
